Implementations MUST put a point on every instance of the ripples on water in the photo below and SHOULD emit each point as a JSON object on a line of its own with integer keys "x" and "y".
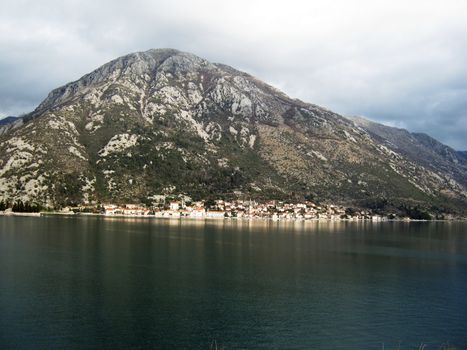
{"x": 169, "y": 284}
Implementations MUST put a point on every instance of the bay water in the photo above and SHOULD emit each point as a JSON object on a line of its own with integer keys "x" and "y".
{"x": 136, "y": 283}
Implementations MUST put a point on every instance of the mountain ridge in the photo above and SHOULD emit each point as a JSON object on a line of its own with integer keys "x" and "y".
{"x": 165, "y": 121}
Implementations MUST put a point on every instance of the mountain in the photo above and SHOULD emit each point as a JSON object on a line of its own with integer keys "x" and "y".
{"x": 462, "y": 154}
{"x": 165, "y": 121}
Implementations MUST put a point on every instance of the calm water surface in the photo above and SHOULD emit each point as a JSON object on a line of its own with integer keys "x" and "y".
{"x": 92, "y": 283}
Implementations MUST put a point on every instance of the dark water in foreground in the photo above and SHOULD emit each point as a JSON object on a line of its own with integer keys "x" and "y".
{"x": 93, "y": 283}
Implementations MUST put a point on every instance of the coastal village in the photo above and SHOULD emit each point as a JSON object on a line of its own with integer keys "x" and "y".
{"x": 182, "y": 206}
{"x": 241, "y": 209}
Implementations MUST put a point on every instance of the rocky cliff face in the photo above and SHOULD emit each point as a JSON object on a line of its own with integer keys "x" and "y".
{"x": 164, "y": 121}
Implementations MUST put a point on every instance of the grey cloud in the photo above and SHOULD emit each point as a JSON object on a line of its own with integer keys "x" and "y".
{"x": 394, "y": 62}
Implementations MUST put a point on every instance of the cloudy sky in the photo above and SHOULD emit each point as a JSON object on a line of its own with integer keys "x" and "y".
{"x": 403, "y": 63}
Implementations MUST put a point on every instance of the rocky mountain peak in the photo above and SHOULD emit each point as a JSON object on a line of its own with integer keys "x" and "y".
{"x": 132, "y": 67}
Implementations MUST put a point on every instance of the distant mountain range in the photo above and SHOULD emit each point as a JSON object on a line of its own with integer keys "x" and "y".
{"x": 463, "y": 154}
{"x": 8, "y": 120}
{"x": 165, "y": 121}
{"x": 9, "y": 123}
